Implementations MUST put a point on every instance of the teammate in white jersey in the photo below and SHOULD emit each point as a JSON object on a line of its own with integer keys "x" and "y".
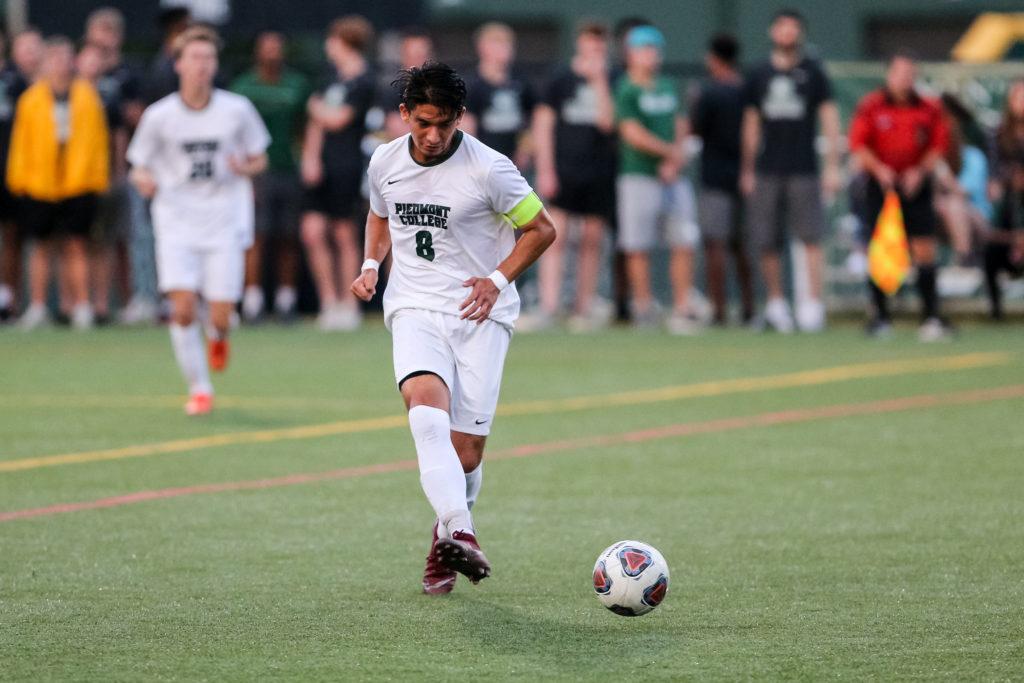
{"x": 446, "y": 207}
{"x": 194, "y": 153}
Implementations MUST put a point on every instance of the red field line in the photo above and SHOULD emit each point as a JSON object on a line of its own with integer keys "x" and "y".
{"x": 527, "y": 450}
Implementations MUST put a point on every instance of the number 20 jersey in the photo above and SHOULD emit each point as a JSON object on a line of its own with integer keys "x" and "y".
{"x": 200, "y": 202}
{"x": 449, "y": 221}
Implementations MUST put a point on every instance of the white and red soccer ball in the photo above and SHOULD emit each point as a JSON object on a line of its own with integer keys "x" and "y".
{"x": 630, "y": 578}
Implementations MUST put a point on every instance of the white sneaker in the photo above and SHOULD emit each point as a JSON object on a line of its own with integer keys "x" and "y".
{"x": 284, "y": 301}
{"x": 138, "y": 311}
{"x": 349, "y": 317}
{"x": 34, "y": 317}
{"x": 810, "y": 315}
{"x": 778, "y": 316}
{"x": 933, "y": 330}
{"x": 252, "y": 303}
{"x": 683, "y": 324}
{"x": 535, "y": 321}
{"x": 82, "y": 317}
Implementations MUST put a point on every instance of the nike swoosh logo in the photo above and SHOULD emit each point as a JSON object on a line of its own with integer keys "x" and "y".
{"x": 479, "y": 422}
{"x": 392, "y": 182}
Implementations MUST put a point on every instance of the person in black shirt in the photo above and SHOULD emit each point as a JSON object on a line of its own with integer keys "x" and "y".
{"x": 12, "y": 84}
{"x": 785, "y": 97}
{"x": 573, "y": 131}
{"x": 498, "y": 102}
{"x": 332, "y": 170}
{"x": 716, "y": 116}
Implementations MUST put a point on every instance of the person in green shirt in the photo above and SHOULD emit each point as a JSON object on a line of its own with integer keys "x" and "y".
{"x": 649, "y": 187}
{"x": 279, "y": 95}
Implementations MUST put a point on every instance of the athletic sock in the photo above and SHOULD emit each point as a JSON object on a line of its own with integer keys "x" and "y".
{"x": 6, "y": 296}
{"x": 191, "y": 356}
{"x": 441, "y": 474}
{"x": 929, "y": 291}
{"x": 284, "y": 299}
{"x": 880, "y": 301}
{"x": 474, "y": 480}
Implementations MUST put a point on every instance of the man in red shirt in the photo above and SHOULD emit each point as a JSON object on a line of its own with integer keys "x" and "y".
{"x": 898, "y": 136}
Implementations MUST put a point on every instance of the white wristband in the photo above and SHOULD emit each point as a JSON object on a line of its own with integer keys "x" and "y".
{"x": 370, "y": 264}
{"x": 499, "y": 279}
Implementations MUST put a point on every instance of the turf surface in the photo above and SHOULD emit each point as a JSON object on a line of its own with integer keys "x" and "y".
{"x": 886, "y": 545}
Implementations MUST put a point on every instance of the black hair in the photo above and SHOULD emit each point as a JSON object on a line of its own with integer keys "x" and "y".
{"x": 627, "y": 24}
{"x": 171, "y": 17}
{"x": 789, "y": 13}
{"x": 433, "y": 83}
{"x": 725, "y": 47}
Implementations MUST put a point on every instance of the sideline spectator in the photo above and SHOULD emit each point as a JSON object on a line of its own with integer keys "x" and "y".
{"x": 332, "y": 170}
{"x": 899, "y": 136}
{"x": 649, "y": 187}
{"x": 573, "y": 132}
{"x": 12, "y": 84}
{"x": 498, "y": 102}
{"x": 785, "y": 97}
{"x": 279, "y": 94}
{"x": 1005, "y": 249}
{"x": 27, "y": 53}
{"x": 59, "y": 161}
{"x": 415, "y": 49}
{"x": 717, "y": 115}
{"x": 962, "y": 183}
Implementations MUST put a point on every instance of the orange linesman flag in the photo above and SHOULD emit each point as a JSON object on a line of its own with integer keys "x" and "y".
{"x": 888, "y": 253}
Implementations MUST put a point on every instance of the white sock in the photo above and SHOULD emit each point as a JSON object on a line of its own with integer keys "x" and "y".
{"x": 252, "y": 301}
{"x": 191, "y": 357}
{"x": 441, "y": 473}
{"x": 284, "y": 299}
{"x": 474, "y": 480}
{"x": 6, "y": 296}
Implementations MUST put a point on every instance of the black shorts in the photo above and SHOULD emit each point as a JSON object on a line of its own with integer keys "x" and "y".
{"x": 71, "y": 217}
{"x": 586, "y": 196}
{"x": 10, "y": 207}
{"x": 919, "y": 219}
{"x": 338, "y": 196}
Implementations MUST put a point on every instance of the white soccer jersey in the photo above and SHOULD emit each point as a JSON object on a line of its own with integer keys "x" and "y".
{"x": 199, "y": 201}
{"x": 448, "y": 221}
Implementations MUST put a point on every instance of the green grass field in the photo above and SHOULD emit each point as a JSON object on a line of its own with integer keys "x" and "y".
{"x": 821, "y": 520}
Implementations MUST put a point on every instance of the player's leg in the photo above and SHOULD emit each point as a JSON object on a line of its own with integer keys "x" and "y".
{"x": 715, "y": 209}
{"x": 76, "y": 264}
{"x": 222, "y": 279}
{"x": 763, "y": 211}
{"x": 806, "y": 215}
{"x": 349, "y": 255}
{"x": 287, "y": 263}
{"x": 264, "y": 216}
{"x": 38, "y": 220}
{"x": 638, "y": 203}
{"x": 321, "y": 265}
{"x": 683, "y": 236}
{"x": 179, "y": 274}
{"x": 550, "y": 269}
{"x": 588, "y": 268}
{"x": 744, "y": 272}
{"x": 10, "y": 268}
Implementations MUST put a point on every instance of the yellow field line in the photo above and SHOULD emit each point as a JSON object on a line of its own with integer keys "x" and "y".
{"x": 697, "y": 390}
{"x": 169, "y": 401}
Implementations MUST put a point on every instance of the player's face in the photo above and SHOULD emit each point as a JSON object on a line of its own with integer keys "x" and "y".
{"x": 647, "y": 58}
{"x": 432, "y": 128}
{"x": 103, "y": 33}
{"x": 786, "y": 33}
{"x": 416, "y": 50}
{"x": 270, "y": 49}
{"x": 496, "y": 48}
{"x": 900, "y": 77}
{"x": 197, "y": 64}
{"x": 58, "y": 62}
{"x": 589, "y": 46}
{"x": 27, "y": 52}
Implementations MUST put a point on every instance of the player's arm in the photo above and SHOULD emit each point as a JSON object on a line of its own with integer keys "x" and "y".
{"x": 828, "y": 114}
{"x": 538, "y": 232}
{"x": 639, "y": 138}
{"x": 312, "y": 147}
{"x": 378, "y": 245}
{"x": 750, "y": 142}
{"x": 671, "y": 167}
{"x": 330, "y": 118}
{"x": 544, "y": 150}
{"x": 249, "y": 165}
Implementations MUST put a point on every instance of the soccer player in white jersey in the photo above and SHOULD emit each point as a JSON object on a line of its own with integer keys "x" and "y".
{"x": 194, "y": 153}
{"x": 446, "y": 207}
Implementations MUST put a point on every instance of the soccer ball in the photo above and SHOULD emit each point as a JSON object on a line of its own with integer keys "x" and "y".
{"x": 630, "y": 578}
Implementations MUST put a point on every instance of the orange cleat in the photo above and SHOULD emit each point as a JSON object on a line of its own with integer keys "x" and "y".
{"x": 218, "y": 354}
{"x": 199, "y": 404}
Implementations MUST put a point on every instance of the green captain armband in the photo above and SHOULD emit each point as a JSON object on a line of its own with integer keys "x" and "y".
{"x": 525, "y": 211}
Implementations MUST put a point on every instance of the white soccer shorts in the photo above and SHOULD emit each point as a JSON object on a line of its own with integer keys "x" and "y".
{"x": 469, "y": 358}
{"x": 218, "y": 274}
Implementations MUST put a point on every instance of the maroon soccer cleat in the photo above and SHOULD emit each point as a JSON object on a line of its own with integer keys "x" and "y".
{"x": 461, "y": 553}
{"x": 437, "y": 579}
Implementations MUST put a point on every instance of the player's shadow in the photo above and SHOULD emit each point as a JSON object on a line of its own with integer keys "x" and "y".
{"x": 567, "y": 642}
